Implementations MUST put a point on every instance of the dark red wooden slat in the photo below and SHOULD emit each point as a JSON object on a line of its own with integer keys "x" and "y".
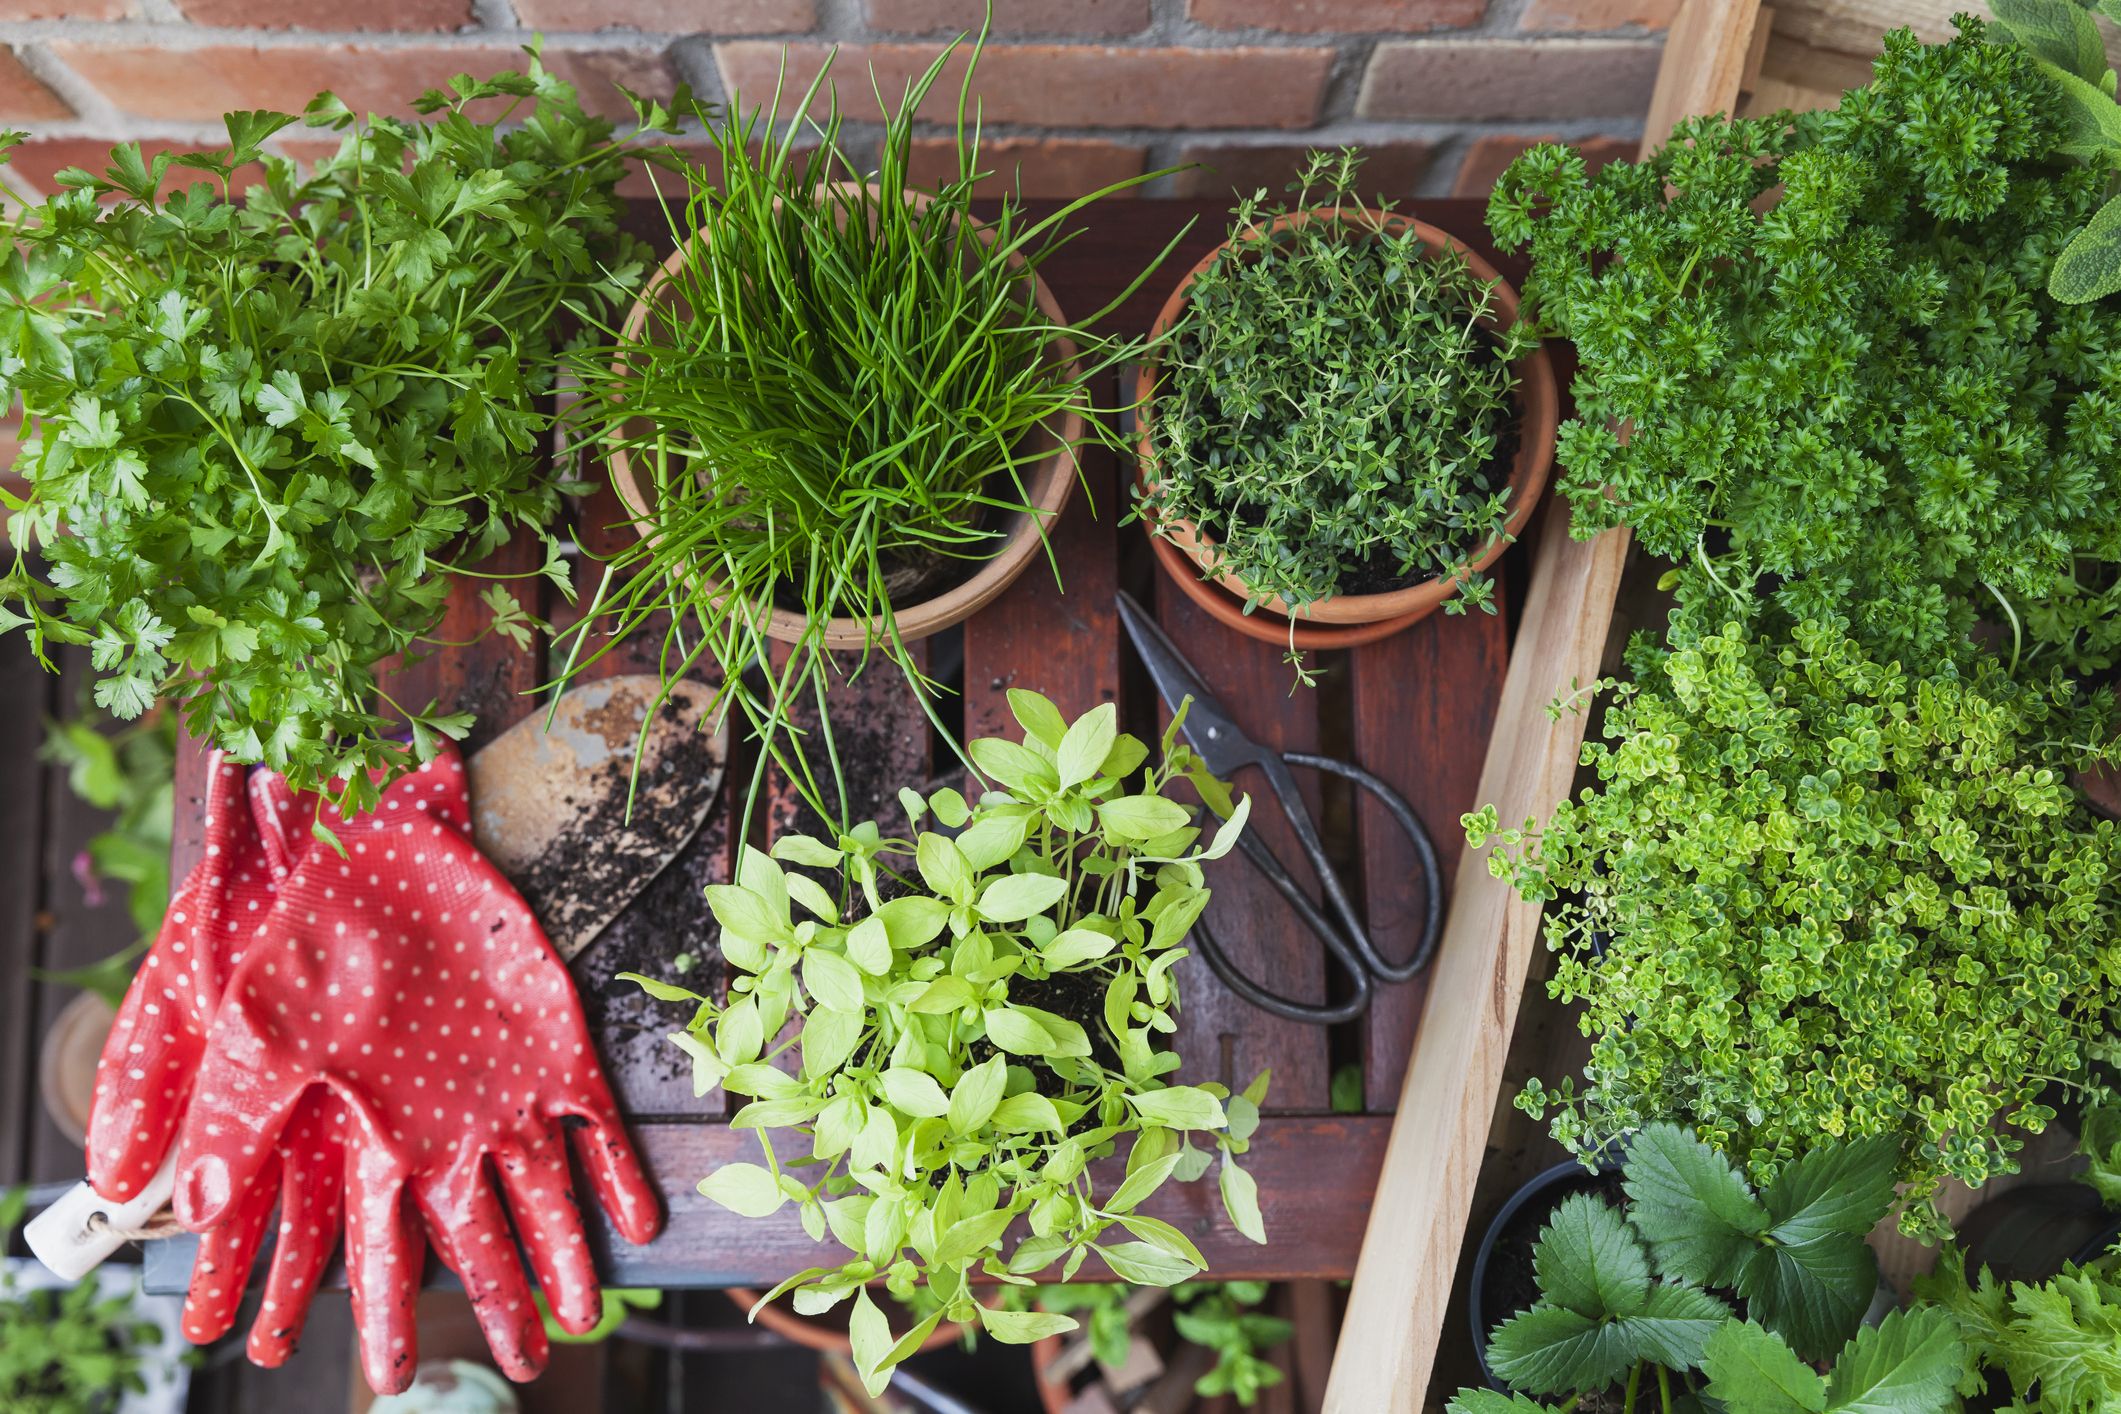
{"x": 24, "y": 703}
{"x": 1423, "y": 701}
{"x": 1061, "y": 640}
{"x": 1221, "y": 1036}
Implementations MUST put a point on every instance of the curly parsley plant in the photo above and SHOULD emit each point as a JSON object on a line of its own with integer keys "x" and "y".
{"x": 1813, "y": 894}
{"x": 263, "y": 433}
{"x": 1335, "y": 406}
{"x": 977, "y": 1012}
{"x": 1820, "y": 352}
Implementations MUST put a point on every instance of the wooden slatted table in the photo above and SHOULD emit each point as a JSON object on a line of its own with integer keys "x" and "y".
{"x": 1416, "y": 709}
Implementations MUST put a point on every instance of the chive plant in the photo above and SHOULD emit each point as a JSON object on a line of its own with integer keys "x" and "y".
{"x": 843, "y": 383}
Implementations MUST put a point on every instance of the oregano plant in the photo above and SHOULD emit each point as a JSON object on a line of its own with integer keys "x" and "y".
{"x": 1814, "y": 893}
{"x": 977, "y": 1017}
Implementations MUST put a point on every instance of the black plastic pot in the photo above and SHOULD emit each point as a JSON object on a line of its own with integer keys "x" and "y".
{"x": 2027, "y": 1233}
{"x": 1526, "y": 1212}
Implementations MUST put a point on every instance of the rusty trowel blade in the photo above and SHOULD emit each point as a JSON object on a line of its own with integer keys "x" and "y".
{"x": 549, "y": 802}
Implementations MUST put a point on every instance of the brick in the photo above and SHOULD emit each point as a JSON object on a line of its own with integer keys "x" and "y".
{"x": 1555, "y": 15}
{"x": 1087, "y": 86}
{"x": 1389, "y": 169}
{"x": 1485, "y": 78}
{"x": 1103, "y": 18}
{"x": 65, "y": 9}
{"x": 1338, "y": 16}
{"x": 368, "y": 15}
{"x": 1486, "y": 158}
{"x": 25, "y": 96}
{"x": 672, "y": 16}
{"x": 1038, "y": 167}
{"x": 199, "y": 85}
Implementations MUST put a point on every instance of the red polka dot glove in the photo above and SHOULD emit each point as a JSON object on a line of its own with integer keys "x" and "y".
{"x": 409, "y": 979}
{"x": 146, "y": 1074}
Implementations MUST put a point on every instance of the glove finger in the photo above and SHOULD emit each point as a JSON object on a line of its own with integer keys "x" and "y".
{"x": 621, "y": 1185}
{"x": 471, "y": 1234}
{"x": 222, "y": 1269}
{"x": 152, "y": 1053}
{"x": 232, "y": 1128}
{"x": 541, "y": 1196}
{"x": 383, "y": 1269}
{"x": 312, "y": 1212}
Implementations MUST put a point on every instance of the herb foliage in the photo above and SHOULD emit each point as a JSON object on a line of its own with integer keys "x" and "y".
{"x": 1632, "y": 1295}
{"x": 1812, "y": 893}
{"x": 848, "y": 384}
{"x": 69, "y": 1350}
{"x": 1829, "y": 339}
{"x": 941, "y": 1094}
{"x": 1335, "y": 401}
{"x": 263, "y": 433}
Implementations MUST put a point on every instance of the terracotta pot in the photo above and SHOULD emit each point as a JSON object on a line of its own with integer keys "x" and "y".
{"x": 829, "y": 1331}
{"x": 1048, "y": 483}
{"x": 66, "y": 1065}
{"x": 1539, "y": 410}
{"x": 1261, "y": 623}
{"x": 1053, "y": 1394}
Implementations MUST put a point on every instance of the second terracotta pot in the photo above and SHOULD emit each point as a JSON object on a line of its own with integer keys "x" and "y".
{"x": 1539, "y": 414}
{"x": 1047, "y": 484}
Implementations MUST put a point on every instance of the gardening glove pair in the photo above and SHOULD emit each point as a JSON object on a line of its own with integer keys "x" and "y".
{"x": 151, "y": 1061}
{"x": 406, "y": 987}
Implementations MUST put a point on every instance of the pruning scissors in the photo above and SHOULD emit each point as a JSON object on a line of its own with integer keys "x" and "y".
{"x": 1225, "y": 749}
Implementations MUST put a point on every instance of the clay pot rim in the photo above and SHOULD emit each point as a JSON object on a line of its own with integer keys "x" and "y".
{"x": 1538, "y": 417}
{"x": 1262, "y": 623}
{"x": 1048, "y": 484}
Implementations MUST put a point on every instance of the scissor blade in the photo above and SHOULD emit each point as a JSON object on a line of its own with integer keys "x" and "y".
{"x": 1222, "y": 745}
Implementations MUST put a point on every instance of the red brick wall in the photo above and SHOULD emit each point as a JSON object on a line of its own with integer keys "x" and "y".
{"x": 1074, "y": 93}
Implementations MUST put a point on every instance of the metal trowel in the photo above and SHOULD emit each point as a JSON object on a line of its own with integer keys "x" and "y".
{"x": 550, "y": 798}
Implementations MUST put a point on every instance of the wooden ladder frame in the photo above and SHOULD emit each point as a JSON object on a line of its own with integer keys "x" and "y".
{"x": 1410, "y": 1250}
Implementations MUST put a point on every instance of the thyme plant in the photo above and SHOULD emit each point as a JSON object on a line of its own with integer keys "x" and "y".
{"x": 264, "y": 429}
{"x": 848, "y": 384}
{"x": 1812, "y": 893}
{"x": 1335, "y": 409}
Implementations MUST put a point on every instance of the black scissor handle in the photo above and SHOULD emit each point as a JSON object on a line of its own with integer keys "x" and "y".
{"x": 1348, "y": 940}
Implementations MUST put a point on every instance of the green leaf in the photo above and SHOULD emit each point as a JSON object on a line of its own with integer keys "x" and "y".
{"x": 744, "y": 1189}
{"x": 1022, "y": 1327}
{"x": 1488, "y": 1401}
{"x": 869, "y": 946}
{"x": 1676, "y": 1323}
{"x": 1553, "y": 1350}
{"x": 1142, "y": 817}
{"x": 1906, "y": 1364}
{"x": 1086, "y": 743}
{"x": 943, "y": 868}
{"x": 661, "y": 991}
{"x": 2056, "y": 30}
{"x": 1015, "y": 897}
{"x": 1241, "y": 1200}
{"x": 2089, "y": 267}
{"x": 869, "y": 1334}
{"x": 1813, "y": 1295}
{"x": 1040, "y": 719}
{"x": 1027, "y": 1031}
{"x": 1028, "y": 1113}
{"x": 832, "y": 980}
{"x": 1690, "y": 1205}
{"x": 1834, "y": 1188}
{"x": 915, "y": 1092}
{"x": 1074, "y": 947}
{"x": 976, "y": 1095}
{"x": 1180, "y": 1107}
{"x": 969, "y": 1237}
{"x": 1753, "y": 1371}
{"x": 2093, "y": 120}
{"x": 1146, "y": 1264}
{"x": 1139, "y": 1184}
{"x": 1589, "y": 1261}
